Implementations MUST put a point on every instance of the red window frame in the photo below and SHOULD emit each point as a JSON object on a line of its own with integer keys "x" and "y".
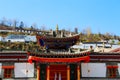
{"x": 7, "y": 73}
{"x": 112, "y": 71}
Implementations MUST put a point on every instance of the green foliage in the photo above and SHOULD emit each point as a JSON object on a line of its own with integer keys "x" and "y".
{"x": 20, "y": 46}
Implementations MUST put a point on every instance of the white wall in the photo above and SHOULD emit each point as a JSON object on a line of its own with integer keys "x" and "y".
{"x": 0, "y": 38}
{"x": 30, "y": 38}
{"x": 24, "y": 70}
{"x": 93, "y": 69}
{"x": 6, "y": 30}
{"x": 119, "y": 68}
{"x": 15, "y": 40}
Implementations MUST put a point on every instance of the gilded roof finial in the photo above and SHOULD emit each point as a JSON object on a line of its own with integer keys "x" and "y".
{"x": 57, "y": 28}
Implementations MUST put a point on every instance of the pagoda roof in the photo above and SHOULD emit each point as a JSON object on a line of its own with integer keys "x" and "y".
{"x": 57, "y": 43}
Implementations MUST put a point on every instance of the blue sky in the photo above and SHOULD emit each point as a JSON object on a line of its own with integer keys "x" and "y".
{"x": 100, "y": 15}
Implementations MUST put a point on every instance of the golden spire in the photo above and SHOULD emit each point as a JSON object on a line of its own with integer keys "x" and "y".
{"x": 57, "y": 28}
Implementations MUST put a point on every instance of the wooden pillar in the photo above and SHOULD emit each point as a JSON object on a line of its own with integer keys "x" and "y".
{"x": 68, "y": 72}
{"x": 48, "y": 72}
{"x": 38, "y": 73}
{"x": 78, "y": 72}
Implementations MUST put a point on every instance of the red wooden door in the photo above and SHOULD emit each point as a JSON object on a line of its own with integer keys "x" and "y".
{"x": 58, "y": 72}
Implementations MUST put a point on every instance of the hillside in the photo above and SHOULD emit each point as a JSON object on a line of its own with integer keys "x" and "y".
{"x": 84, "y": 37}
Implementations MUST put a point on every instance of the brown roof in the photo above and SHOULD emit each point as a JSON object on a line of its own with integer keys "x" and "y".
{"x": 5, "y": 28}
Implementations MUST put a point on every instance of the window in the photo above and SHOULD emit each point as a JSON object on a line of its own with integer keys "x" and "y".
{"x": 112, "y": 71}
{"x": 7, "y": 73}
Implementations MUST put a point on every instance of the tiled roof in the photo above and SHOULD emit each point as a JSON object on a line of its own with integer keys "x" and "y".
{"x": 115, "y": 50}
{"x": 5, "y": 28}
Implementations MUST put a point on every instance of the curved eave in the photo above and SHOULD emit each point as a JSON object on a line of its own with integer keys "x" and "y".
{"x": 59, "y": 55}
{"x": 58, "y": 60}
{"x": 63, "y": 39}
{"x": 44, "y": 37}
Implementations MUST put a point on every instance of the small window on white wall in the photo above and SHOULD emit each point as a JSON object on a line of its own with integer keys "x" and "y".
{"x": 24, "y": 70}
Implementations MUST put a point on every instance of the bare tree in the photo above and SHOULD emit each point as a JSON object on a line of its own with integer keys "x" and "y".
{"x": 76, "y": 30}
{"x": 43, "y": 28}
{"x": 9, "y": 22}
{"x": 83, "y": 31}
{"x": 15, "y": 23}
{"x": 21, "y": 24}
{"x": 3, "y": 21}
{"x": 34, "y": 26}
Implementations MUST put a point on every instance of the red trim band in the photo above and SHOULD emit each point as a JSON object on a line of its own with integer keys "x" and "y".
{"x": 68, "y": 60}
{"x": 112, "y": 66}
{"x": 7, "y": 67}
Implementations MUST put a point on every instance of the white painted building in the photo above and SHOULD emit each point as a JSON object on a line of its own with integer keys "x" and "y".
{"x": 29, "y": 38}
{"x": 6, "y": 30}
{"x": 97, "y": 47}
{"x": 20, "y": 38}
{"x": 15, "y": 38}
{"x": 114, "y": 41}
